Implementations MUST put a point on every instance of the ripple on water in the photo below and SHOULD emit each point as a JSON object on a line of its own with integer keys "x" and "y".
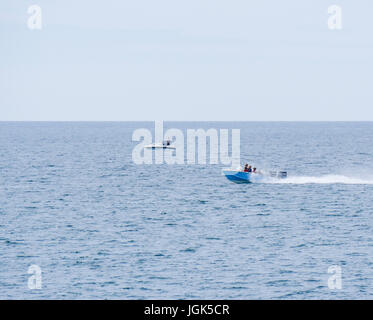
{"x": 100, "y": 226}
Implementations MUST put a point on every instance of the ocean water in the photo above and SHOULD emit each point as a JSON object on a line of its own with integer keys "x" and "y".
{"x": 100, "y": 227}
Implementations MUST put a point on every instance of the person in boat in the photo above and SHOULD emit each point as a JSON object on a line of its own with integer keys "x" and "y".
{"x": 254, "y": 170}
{"x": 246, "y": 168}
{"x": 249, "y": 169}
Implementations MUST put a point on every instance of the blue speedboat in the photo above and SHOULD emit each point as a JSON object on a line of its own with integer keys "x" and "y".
{"x": 239, "y": 176}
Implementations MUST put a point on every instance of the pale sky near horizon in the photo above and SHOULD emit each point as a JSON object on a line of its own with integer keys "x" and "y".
{"x": 186, "y": 60}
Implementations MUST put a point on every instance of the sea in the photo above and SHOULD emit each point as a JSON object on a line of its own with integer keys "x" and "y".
{"x": 95, "y": 225}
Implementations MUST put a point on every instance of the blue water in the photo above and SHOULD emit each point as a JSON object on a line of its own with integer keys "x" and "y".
{"x": 100, "y": 227}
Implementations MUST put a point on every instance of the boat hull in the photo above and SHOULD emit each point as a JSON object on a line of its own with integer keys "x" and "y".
{"x": 240, "y": 176}
{"x": 159, "y": 146}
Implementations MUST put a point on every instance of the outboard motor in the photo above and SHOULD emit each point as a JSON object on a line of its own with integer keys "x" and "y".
{"x": 278, "y": 174}
{"x": 282, "y": 174}
{"x": 273, "y": 174}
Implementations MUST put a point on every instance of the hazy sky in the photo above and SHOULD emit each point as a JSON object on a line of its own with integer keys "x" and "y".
{"x": 186, "y": 60}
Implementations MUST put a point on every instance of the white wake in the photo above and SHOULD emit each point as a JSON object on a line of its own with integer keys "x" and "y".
{"x": 325, "y": 179}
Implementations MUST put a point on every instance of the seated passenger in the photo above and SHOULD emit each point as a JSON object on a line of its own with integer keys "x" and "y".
{"x": 254, "y": 170}
{"x": 246, "y": 168}
{"x": 249, "y": 169}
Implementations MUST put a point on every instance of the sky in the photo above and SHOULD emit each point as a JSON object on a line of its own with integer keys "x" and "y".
{"x": 186, "y": 60}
